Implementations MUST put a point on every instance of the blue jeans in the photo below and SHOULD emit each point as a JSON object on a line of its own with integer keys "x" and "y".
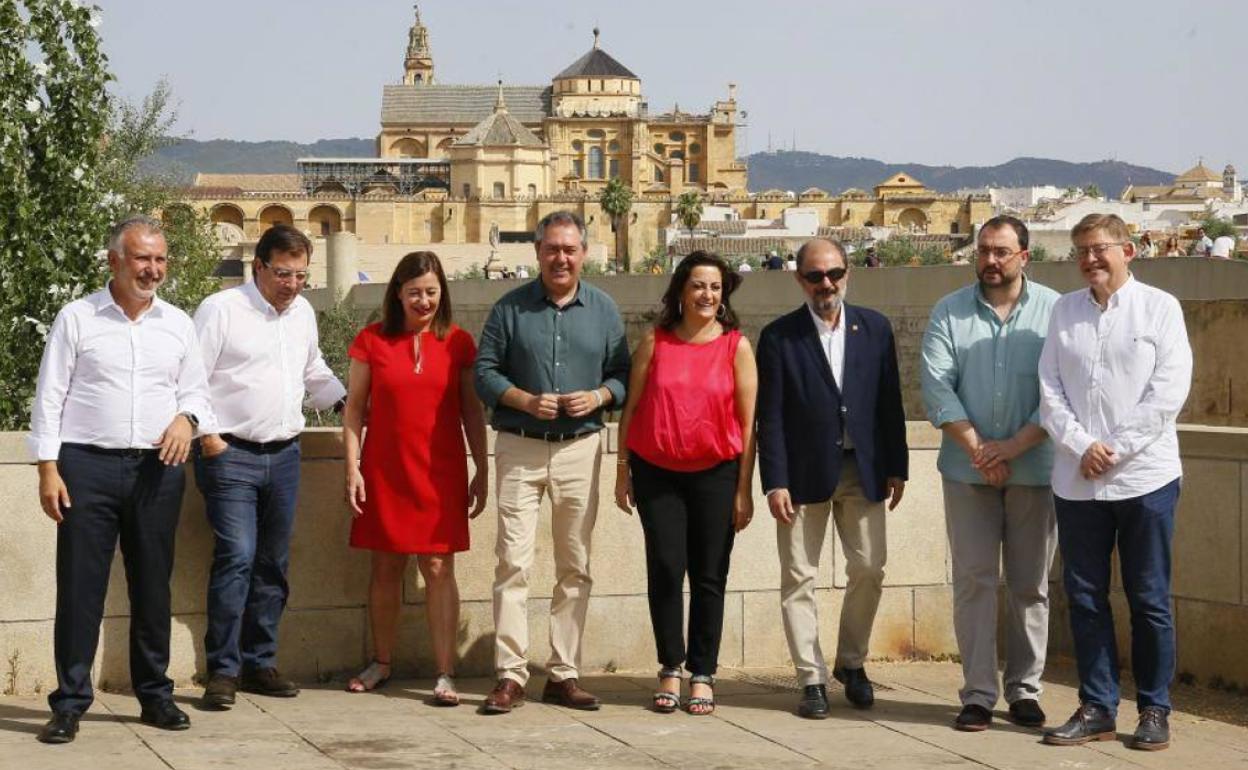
{"x": 250, "y": 501}
{"x": 1086, "y": 533}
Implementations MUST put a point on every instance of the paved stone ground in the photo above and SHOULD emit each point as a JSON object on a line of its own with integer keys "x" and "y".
{"x": 754, "y": 726}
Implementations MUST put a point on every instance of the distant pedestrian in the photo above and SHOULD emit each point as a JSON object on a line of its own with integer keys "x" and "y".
{"x": 1148, "y": 249}
{"x": 1172, "y": 248}
{"x": 1202, "y": 245}
{"x": 872, "y": 259}
{"x": 1223, "y": 247}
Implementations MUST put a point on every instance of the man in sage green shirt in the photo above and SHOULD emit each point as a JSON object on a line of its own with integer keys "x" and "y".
{"x": 980, "y": 374}
{"x": 552, "y": 356}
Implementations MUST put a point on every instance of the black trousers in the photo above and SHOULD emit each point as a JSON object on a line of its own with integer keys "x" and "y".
{"x": 134, "y": 497}
{"x": 687, "y": 519}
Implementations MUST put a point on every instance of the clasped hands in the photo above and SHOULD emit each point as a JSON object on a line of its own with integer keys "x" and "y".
{"x": 579, "y": 403}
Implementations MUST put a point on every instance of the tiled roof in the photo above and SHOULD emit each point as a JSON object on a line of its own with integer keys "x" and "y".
{"x": 499, "y": 129}
{"x": 596, "y": 64}
{"x": 1198, "y": 173}
{"x": 845, "y": 234}
{"x": 460, "y": 104}
{"x": 251, "y": 182}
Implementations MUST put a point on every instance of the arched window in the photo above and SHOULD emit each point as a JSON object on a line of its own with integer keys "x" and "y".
{"x": 695, "y": 148}
{"x": 613, "y": 147}
{"x": 532, "y": 191}
{"x": 595, "y": 163}
{"x": 659, "y": 149}
{"x": 578, "y": 146}
{"x": 500, "y": 190}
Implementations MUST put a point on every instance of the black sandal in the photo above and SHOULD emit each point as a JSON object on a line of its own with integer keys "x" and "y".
{"x": 699, "y": 706}
{"x": 667, "y": 702}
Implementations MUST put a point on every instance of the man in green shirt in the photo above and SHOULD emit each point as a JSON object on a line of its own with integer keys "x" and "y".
{"x": 980, "y": 374}
{"x": 552, "y": 356}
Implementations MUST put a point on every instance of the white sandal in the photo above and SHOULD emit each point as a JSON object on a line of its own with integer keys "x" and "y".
{"x": 373, "y": 677}
{"x": 444, "y": 693}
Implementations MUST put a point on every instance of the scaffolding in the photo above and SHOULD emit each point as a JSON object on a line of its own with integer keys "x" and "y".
{"x": 356, "y": 176}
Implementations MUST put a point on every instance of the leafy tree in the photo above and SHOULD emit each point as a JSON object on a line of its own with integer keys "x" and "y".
{"x": 336, "y": 327}
{"x": 1216, "y": 226}
{"x": 1092, "y": 191}
{"x": 1038, "y": 252}
{"x": 896, "y": 252}
{"x": 617, "y": 200}
{"x": 68, "y": 159}
{"x": 689, "y": 210}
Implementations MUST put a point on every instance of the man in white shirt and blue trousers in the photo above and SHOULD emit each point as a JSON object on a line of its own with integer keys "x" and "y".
{"x": 1114, "y": 374}
{"x": 262, "y": 354}
{"x": 121, "y": 390}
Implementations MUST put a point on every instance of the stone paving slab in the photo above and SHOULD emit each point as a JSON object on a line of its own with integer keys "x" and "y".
{"x": 754, "y": 727}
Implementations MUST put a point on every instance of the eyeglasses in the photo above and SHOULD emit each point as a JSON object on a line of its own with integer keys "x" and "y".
{"x": 282, "y": 274}
{"x": 1097, "y": 249}
{"x": 817, "y": 276}
{"x": 999, "y": 253}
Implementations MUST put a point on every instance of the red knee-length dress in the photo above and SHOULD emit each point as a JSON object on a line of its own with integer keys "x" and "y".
{"x": 414, "y": 462}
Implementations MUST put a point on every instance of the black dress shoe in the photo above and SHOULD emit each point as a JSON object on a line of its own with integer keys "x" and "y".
{"x": 166, "y": 715}
{"x": 1153, "y": 732}
{"x": 267, "y": 681}
{"x": 1090, "y": 722}
{"x": 220, "y": 691}
{"x": 61, "y": 728}
{"x": 973, "y": 719}
{"x": 814, "y": 704}
{"x": 858, "y": 690}
{"x": 1027, "y": 713}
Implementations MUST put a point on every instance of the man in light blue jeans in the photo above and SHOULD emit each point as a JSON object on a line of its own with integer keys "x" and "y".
{"x": 980, "y": 363}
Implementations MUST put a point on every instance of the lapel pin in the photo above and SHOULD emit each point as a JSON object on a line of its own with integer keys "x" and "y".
{"x": 853, "y": 328}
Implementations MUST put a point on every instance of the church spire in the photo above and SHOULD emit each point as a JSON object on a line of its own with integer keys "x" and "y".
{"x": 499, "y": 104}
{"x": 418, "y": 64}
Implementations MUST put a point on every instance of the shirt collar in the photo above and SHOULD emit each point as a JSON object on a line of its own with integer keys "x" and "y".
{"x": 257, "y": 299}
{"x": 102, "y": 300}
{"x": 1022, "y": 298}
{"x": 1115, "y": 299}
{"x": 822, "y": 326}
{"x": 538, "y": 293}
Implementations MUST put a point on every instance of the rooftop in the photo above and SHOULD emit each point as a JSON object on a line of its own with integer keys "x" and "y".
{"x": 597, "y": 63}
{"x": 460, "y": 104}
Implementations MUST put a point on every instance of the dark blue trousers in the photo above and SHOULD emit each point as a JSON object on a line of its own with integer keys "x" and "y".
{"x": 133, "y": 496}
{"x": 1142, "y": 528}
{"x": 249, "y": 494}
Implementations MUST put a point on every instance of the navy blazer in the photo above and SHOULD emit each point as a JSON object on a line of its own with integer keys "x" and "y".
{"x": 802, "y": 413}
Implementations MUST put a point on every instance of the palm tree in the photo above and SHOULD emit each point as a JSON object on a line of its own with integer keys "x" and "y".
{"x": 689, "y": 210}
{"x": 616, "y": 201}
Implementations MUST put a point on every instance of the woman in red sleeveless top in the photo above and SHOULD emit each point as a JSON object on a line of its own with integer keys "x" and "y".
{"x": 687, "y": 461}
{"x": 408, "y": 487}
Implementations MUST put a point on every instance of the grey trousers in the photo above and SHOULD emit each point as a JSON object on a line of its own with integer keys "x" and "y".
{"x": 987, "y": 526}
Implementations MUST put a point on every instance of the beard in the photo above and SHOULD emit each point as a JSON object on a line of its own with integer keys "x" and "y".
{"x": 826, "y": 303}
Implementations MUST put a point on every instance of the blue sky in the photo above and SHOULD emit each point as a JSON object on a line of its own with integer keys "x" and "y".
{"x": 963, "y": 82}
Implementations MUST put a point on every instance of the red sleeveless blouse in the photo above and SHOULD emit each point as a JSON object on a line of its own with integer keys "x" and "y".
{"x": 686, "y": 418}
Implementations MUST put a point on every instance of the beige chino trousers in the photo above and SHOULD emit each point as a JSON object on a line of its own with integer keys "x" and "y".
{"x": 525, "y": 470}
{"x": 860, "y": 523}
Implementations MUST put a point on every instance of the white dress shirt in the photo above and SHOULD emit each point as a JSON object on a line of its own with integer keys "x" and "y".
{"x": 1118, "y": 376}
{"x": 260, "y": 364}
{"x": 1222, "y": 247}
{"x": 832, "y": 340}
{"x": 115, "y": 383}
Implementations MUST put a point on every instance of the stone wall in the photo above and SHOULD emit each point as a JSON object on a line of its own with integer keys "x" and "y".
{"x": 326, "y": 631}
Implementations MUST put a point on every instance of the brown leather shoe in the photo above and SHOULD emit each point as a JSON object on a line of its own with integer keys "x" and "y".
{"x": 505, "y": 696}
{"x": 569, "y": 693}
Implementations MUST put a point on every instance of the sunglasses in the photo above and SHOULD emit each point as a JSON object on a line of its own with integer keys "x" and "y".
{"x": 817, "y": 276}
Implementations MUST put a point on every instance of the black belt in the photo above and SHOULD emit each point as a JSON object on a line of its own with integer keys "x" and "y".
{"x": 259, "y": 447}
{"x": 132, "y": 452}
{"x": 545, "y": 435}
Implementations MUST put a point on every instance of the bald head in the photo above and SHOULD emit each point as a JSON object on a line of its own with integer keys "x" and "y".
{"x": 820, "y": 247}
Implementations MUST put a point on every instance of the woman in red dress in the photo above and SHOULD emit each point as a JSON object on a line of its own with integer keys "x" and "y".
{"x": 411, "y": 385}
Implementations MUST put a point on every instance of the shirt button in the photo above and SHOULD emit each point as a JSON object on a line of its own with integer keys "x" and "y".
{"x": 844, "y": 410}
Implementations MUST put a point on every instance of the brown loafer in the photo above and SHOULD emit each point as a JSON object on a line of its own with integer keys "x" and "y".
{"x": 505, "y": 696}
{"x": 569, "y": 693}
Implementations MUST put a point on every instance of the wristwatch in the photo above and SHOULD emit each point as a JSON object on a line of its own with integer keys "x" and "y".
{"x": 191, "y": 418}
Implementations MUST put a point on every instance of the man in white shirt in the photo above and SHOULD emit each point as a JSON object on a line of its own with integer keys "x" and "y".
{"x": 121, "y": 390}
{"x": 1202, "y": 245}
{"x": 1223, "y": 247}
{"x": 1114, "y": 373}
{"x": 262, "y": 354}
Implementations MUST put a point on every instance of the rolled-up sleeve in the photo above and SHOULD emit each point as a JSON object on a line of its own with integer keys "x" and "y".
{"x": 489, "y": 378}
{"x": 938, "y": 372}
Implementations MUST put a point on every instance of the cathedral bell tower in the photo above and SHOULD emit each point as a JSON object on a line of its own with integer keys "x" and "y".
{"x": 418, "y": 65}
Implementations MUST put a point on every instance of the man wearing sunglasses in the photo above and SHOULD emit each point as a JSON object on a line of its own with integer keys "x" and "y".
{"x": 832, "y": 445}
{"x": 263, "y": 357}
{"x": 981, "y": 352}
{"x": 1114, "y": 373}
